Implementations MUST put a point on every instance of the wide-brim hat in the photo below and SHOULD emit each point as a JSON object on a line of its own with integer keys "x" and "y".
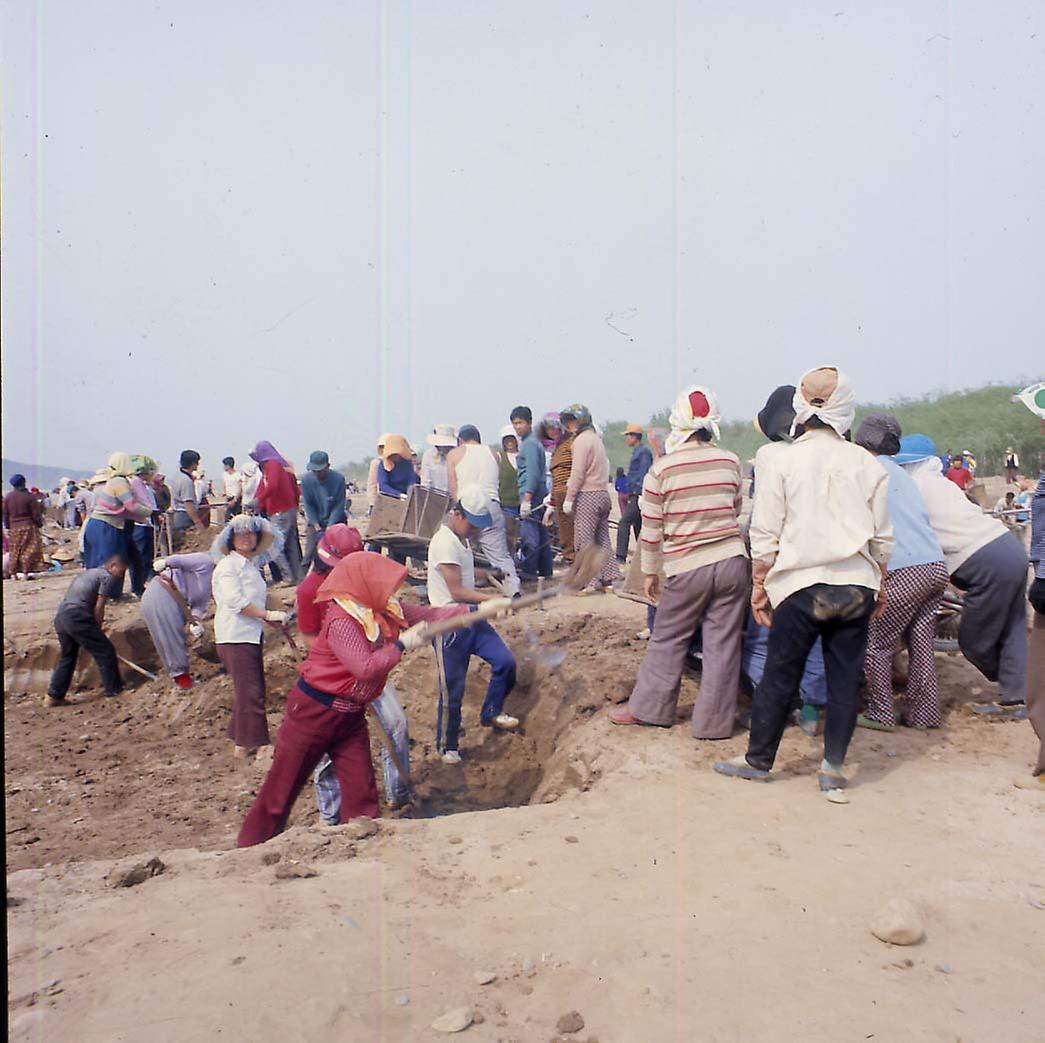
{"x": 634, "y": 429}
{"x": 443, "y": 437}
{"x": 222, "y": 545}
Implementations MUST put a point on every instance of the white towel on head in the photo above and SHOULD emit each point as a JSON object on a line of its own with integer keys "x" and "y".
{"x": 685, "y": 419}
{"x": 837, "y": 412}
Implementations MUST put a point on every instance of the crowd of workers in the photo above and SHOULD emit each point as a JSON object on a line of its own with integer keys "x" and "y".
{"x": 853, "y": 539}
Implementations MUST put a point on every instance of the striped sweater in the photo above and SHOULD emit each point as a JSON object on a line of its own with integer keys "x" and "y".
{"x": 690, "y": 502}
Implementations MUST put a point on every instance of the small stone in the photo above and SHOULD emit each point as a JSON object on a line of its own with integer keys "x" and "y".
{"x": 136, "y": 874}
{"x": 571, "y": 1022}
{"x": 571, "y": 839}
{"x": 528, "y": 966}
{"x": 898, "y": 923}
{"x": 485, "y": 977}
{"x": 359, "y": 828}
{"x": 456, "y": 1020}
{"x": 293, "y": 871}
{"x": 270, "y": 858}
{"x": 402, "y": 1001}
{"x": 455, "y": 840}
{"x": 944, "y": 968}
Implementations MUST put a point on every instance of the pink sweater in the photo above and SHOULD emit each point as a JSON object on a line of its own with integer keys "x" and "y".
{"x": 590, "y": 470}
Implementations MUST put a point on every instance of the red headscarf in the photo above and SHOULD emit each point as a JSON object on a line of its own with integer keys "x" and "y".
{"x": 369, "y": 580}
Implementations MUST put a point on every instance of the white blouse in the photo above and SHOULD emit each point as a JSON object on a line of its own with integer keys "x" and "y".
{"x": 237, "y": 583}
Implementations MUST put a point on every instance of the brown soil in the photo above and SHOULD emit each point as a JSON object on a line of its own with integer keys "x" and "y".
{"x": 639, "y": 888}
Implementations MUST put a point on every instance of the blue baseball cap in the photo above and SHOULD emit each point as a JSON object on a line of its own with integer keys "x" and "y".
{"x": 914, "y": 448}
{"x": 475, "y": 506}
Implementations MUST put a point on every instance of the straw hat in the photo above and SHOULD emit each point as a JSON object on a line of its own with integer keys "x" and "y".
{"x": 634, "y": 429}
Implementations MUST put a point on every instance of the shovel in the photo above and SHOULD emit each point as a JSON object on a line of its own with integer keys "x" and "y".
{"x": 585, "y": 568}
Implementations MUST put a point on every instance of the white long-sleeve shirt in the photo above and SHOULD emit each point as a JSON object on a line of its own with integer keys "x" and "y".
{"x": 237, "y": 583}
{"x": 960, "y": 526}
{"x": 821, "y": 515}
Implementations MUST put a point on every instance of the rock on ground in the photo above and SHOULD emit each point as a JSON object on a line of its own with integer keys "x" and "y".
{"x": 898, "y": 923}
{"x": 456, "y": 1020}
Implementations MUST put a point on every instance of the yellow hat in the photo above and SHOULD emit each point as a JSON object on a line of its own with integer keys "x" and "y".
{"x": 634, "y": 429}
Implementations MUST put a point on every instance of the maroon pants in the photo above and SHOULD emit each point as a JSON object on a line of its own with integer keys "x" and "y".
{"x": 243, "y": 663}
{"x": 309, "y": 730}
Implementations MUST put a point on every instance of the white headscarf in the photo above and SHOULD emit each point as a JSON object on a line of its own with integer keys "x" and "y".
{"x": 696, "y": 409}
{"x": 837, "y": 412}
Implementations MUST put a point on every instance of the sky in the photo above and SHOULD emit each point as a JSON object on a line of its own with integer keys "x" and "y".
{"x": 313, "y": 223}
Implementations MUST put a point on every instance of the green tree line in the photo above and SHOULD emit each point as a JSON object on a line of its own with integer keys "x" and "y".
{"x": 984, "y": 420}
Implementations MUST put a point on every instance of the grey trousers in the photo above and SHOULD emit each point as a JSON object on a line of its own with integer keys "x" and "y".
{"x": 288, "y": 561}
{"x": 993, "y": 633}
{"x": 493, "y": 542}
{"x": 714, "y": 597}
{"x": 166, "y": 623}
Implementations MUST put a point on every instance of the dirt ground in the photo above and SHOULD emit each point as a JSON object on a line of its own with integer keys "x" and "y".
{"x": 630, "y": 883}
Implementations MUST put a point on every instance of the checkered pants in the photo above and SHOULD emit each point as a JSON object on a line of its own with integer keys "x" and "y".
{"x": 591, "y": 512}
{"x": 912, "y": 597}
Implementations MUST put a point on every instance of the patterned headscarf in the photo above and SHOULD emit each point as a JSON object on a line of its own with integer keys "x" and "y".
{"x": 143, "y": 464}
{"x": 579, "y": 413}
{"x": 696, "y": 409}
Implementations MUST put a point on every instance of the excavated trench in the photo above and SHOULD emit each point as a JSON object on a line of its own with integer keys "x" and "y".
{"x": 109, "y": 777}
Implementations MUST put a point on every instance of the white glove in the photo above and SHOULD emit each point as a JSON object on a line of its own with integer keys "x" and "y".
{"x": 275, "y": 616}
{"x": 415, "y": 637}
{"x": 567, "y": 506}
{"x": 196, "y": 629}
{"x": 159, "y": 565}
{"x": 493, "y": 607}
{"x": 525, "y": 509}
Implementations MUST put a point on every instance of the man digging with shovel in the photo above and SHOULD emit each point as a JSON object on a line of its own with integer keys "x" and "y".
{"x": 451, "y": 581}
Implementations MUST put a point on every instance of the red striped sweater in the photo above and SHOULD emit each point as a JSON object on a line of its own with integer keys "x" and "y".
{"x": 690, "y": 502}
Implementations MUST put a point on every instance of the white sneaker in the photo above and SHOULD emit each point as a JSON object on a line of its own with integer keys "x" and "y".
{"x": 643, "y": 635}
{"x": 506, "y": 722}
{"x": 451, "y": 757}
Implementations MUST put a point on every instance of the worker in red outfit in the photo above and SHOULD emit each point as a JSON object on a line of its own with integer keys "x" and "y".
{"x": 361, "y": 640}
{"x": 336, "y": 543}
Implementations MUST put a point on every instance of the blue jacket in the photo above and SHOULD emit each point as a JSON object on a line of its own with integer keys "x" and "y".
{"x": 916, "y": 543}
{"x": 641, "y": 462}
{"x": 396, "y": 482}
{"x": 324, "y": 501}
{"x": 532, "y": 467}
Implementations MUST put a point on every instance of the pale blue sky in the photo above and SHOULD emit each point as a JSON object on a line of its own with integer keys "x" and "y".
{"x": 308, "y": 223}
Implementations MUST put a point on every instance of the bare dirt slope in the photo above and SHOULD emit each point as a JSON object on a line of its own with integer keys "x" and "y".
{"x": 656, "y": 898}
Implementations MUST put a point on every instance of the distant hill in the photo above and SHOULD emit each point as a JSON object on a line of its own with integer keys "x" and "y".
{"x": 983, "y": 420}
{"x": 41, "y": 477}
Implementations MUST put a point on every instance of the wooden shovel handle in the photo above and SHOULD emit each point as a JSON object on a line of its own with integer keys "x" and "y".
{"x": 462, "y": 622}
